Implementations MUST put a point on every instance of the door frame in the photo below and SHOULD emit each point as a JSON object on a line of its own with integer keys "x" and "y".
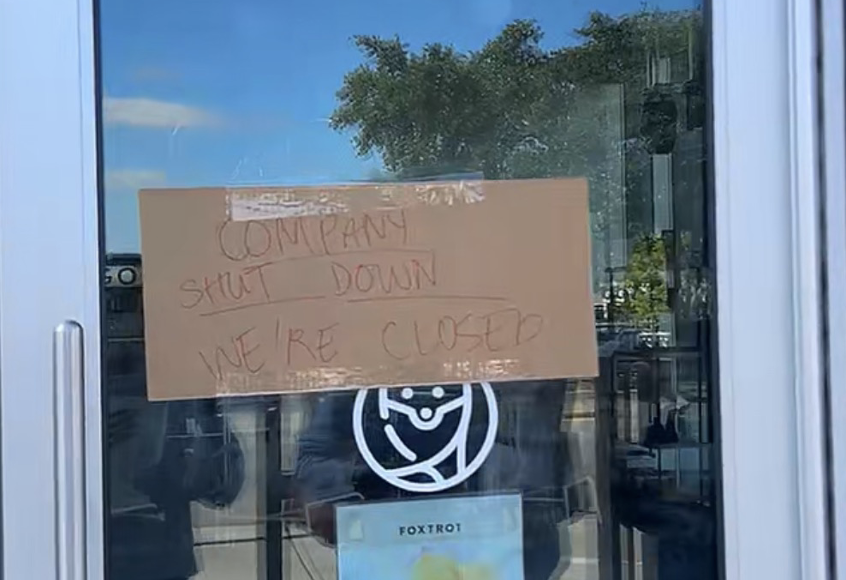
{"x": 832, "y": 40}
{"x": 766, "y": 232}
{"x": 769, "y": 298}
{"x": 50, "y": 273}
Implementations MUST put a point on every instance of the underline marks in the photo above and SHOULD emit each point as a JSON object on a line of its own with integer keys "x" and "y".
{"x": 454, "y": 297}
{"x": 260, "y": 304}
{"x": 429, "y": 297}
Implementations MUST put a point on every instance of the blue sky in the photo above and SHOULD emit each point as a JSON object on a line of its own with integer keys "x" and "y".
{"x": 232, "y": 92}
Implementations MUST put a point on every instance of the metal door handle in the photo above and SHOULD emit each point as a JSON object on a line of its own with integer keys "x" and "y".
{"x": 69, "y": 451}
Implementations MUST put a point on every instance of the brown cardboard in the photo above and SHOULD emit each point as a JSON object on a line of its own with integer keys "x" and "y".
{"x": 365, "y": 285}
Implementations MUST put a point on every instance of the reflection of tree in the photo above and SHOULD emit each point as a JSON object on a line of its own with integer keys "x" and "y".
{"x": 645, "y": 290}
{"x": 514, "y": 109}
{"x": 510, "y": 109}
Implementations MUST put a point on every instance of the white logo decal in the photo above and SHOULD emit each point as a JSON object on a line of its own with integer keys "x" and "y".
{"x": 425, "y": 420}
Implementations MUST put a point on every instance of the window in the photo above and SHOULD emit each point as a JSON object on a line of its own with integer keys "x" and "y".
{"x": 615, "y": 476}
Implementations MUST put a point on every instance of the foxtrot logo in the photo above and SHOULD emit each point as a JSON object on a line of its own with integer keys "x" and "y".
{"x": 430, "y": 529}
{"x": 429, "y": 429}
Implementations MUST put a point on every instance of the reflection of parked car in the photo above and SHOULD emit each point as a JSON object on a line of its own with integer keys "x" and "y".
{"x": 653, "y": 339}
{"x": 628, "y": 339}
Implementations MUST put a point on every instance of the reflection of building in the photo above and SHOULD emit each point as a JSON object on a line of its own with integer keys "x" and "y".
{"x": 661, "y": 435}
{"x": 123, "y": 301}
{"x": 123, "y": 321}
{"x": 648, "y": 178}
{"x": 665, "y": 192}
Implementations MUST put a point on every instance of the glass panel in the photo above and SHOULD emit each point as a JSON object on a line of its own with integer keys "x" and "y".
{"x": 614, "y": 478}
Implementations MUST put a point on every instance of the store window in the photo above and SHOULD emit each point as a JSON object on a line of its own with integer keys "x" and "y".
{"x": 609, "y": 477}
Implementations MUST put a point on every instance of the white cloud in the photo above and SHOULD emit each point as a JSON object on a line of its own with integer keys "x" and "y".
{"x": 134, "y": 179}
{"x": 143, "y": 112}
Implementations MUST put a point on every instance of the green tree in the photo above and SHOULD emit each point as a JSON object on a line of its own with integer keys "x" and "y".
{"x": 645, "y": 289}
{"x": 515, "y": 109}
{"x": 509, "y": 110}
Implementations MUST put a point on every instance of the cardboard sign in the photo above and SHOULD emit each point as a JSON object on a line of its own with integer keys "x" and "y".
{"x": 471, "y": 538}
{"x": 267, "y": 290}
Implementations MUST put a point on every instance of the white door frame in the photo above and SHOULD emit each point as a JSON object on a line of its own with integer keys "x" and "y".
{"x": 768, "y": 276}
{"x": 767, "y": 291}
{"x": 49, "y": 267}
{"x": 833, "y": 187}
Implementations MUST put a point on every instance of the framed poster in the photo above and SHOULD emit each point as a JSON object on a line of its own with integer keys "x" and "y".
{"x": 467, "y": 538}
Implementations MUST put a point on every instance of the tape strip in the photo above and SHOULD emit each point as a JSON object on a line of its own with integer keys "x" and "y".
{"x": 259, "y": 203}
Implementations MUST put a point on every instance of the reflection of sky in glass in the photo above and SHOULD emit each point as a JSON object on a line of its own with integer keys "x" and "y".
{"x": 239, "y": 92}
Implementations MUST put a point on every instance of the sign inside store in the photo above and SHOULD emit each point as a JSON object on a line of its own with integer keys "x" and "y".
{"x": 467, "y": 537}
{"x": 268, "y": 290}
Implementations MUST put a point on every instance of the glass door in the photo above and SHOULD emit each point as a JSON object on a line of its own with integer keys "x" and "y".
{"x": 167, "y": 444}
{"x": 617, "y": 476}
